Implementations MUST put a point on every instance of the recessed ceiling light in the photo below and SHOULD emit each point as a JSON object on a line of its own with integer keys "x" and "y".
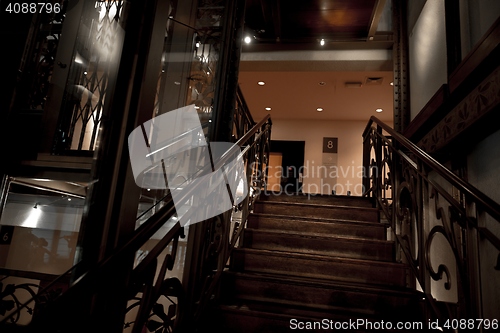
{"x": 248, "y": 39}
{"x": 379, "y": 110}
{"x": 319, "y": 109}
{"x": 392, "y": 83}
{"x": 261, "y": 83}
{"x": 353, "y": 84}
{"x": 268, "y": 109}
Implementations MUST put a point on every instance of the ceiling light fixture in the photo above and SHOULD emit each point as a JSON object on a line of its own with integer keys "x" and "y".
{"x": 248, "y": 39}
{"x": 353, "y": 84}
{"x": 319, "y": 109}
{"x": 268, "y": 109}
{"x": 379, "y": 110}
{"x": 261, "y": 83}
{"x": 322, "y": 42}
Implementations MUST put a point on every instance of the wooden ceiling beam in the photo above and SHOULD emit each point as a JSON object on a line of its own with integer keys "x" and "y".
{"x": 277, "y": 19}
{"x": 377, "y": 13}
{"x": 266, "y": 13}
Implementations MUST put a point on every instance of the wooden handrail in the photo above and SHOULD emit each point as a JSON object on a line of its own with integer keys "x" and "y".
{"x": 242, "y": 102}
{"x": 488, "y": 204}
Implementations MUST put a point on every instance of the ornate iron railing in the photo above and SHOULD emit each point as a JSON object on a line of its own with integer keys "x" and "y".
{"x": 148, "y": 280}
{"x": 32, "y": 294}
{"x": 226, "y": 231}
{"x": 436, "y": 218}
{"x": 95, "y": 53}
{"x": 38, "y": 61}
{"x": 242, "y": 119}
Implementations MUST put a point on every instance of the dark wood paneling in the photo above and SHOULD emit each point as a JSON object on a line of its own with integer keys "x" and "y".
{"x": 297, "y": 21}
{"x": 428, "y": 116}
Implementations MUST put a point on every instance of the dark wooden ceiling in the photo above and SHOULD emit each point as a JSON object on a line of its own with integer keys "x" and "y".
{"x": 292, "y": 24}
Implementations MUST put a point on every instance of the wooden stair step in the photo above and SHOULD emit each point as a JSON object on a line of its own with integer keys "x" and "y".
{"x": 241, "y": 319}
{"x": 324, "y": 244}
{"x": 255, "y": 317}
{"x": 311, "y": 258}
{"x": 341, "y": 200}
{"x": 317, "y": 210}
{"x": 371, "y": 230}
{"x": 319, "y": 294}
{"x": 319, "y": 266}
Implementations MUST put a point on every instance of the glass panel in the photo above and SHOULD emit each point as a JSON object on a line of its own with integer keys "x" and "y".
{"x": 194, "y": 63}
{"x": 186, "y": 76}
{"x": 44, "y": 230}
{"x": 39, "y": 56}
{"x": 95, "y": 57}
{"x": 39, "y": 228}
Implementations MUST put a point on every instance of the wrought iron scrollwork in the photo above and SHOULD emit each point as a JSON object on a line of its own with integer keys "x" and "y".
{"x": 13, "y": 304}
{"x": 224, "y": 232}
{"x": 159, "y": 319}
{"x": 90, "y": 77}
{"x": 441, "y": 268}
{"x": 452, "y": 227}
{"x": 9, "y": 299}
{"x": 431, "y": 205}
{"x": 39, "y": 57}
{"x": 153, "y": 290}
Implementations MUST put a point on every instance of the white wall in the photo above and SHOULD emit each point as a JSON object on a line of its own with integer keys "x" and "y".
{"x": 350, "y": 151}
{"x": 478, "y": 15}
{"x": 427, "y": 42}
{"x": 483, "y": 166}
{"x": 427, "y": 49}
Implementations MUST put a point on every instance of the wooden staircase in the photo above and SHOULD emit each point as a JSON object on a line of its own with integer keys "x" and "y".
{"x": 322, "y": 260}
